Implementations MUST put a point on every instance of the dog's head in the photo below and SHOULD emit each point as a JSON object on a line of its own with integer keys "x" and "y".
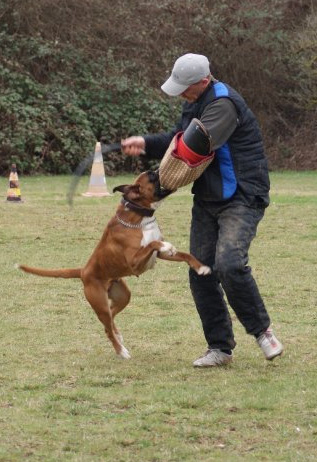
{"x": 146, "y": 190}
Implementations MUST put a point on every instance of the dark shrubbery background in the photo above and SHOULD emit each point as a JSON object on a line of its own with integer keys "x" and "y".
{"x": 73, "y": 71}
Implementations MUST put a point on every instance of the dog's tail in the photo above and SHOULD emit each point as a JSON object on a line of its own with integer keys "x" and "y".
{"x": 53, "y": 273}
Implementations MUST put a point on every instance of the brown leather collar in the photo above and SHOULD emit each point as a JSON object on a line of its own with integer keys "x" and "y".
{"x": 143, "y": 211}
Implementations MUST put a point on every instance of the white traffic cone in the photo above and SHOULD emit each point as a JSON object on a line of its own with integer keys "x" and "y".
{"x": 97, "y": 183}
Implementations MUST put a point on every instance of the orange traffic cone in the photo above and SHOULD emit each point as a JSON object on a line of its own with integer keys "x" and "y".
{"x": 97, "y": 183}
{"x": 14, "y": 193}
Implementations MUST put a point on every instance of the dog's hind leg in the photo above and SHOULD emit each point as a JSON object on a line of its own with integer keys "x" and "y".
{"x": 97, "y": 296}
{"x": 119, "y": 295}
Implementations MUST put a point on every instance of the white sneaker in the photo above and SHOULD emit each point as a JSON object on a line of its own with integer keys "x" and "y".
{"x": 213, "y": 358}
{"x": 270, "y": 345}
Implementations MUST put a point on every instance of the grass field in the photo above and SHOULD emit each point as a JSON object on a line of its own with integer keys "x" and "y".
{"x": 64, "y": 394}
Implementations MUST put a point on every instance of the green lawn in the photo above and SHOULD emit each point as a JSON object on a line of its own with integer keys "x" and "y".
{"x": 64, "y": 394}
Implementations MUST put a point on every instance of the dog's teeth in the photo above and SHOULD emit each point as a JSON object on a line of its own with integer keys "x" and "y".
{"x": 204, "y": 270}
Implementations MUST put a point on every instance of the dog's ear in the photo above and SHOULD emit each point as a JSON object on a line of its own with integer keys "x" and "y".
{"x": 133, "y": 192}
{"x": 130, "y": 191}
{"x": 120, "y": 188}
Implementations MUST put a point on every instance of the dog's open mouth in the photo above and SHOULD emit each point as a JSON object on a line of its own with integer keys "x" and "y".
{"x": 160, "y": 193}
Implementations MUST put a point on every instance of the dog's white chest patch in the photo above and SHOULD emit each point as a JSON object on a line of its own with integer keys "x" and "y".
{"x": 151, "y": 232}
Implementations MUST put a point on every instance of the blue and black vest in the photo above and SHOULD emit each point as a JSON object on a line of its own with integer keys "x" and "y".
{"x": 240, "y": 165}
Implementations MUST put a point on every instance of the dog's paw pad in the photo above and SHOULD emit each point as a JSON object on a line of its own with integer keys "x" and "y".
{"x": 168, "y": 248}
{"x": 124, "y": 353}
{"x": 204, "y": 270}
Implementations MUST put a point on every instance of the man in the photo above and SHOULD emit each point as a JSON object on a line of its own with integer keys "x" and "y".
{"x": 230, "y": 198}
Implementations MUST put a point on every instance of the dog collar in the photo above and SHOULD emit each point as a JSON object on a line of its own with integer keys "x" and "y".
{"x": 132, "y": 225}
{"x": 143, "y": 211}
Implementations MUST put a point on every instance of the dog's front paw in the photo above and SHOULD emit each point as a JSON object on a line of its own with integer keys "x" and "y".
{"x": 168, "y": 248}
{"x": 124, "y": 353}
{"x": 204, "y": 270}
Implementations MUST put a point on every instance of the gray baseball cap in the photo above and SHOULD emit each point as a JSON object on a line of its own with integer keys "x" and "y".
{"x": 188, "y": 69}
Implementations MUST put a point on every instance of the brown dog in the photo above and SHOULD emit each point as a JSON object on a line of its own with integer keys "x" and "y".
{"x": 129, "y": 246}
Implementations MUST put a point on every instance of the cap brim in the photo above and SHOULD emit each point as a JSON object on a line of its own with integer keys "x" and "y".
{"x": 172, "y": 88}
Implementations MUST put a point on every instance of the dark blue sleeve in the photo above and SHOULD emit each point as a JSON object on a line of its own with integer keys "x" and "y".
{"x": 156, "y": 145}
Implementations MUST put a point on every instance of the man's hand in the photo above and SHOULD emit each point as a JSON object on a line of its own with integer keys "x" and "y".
{"x": 133, "y": 146}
